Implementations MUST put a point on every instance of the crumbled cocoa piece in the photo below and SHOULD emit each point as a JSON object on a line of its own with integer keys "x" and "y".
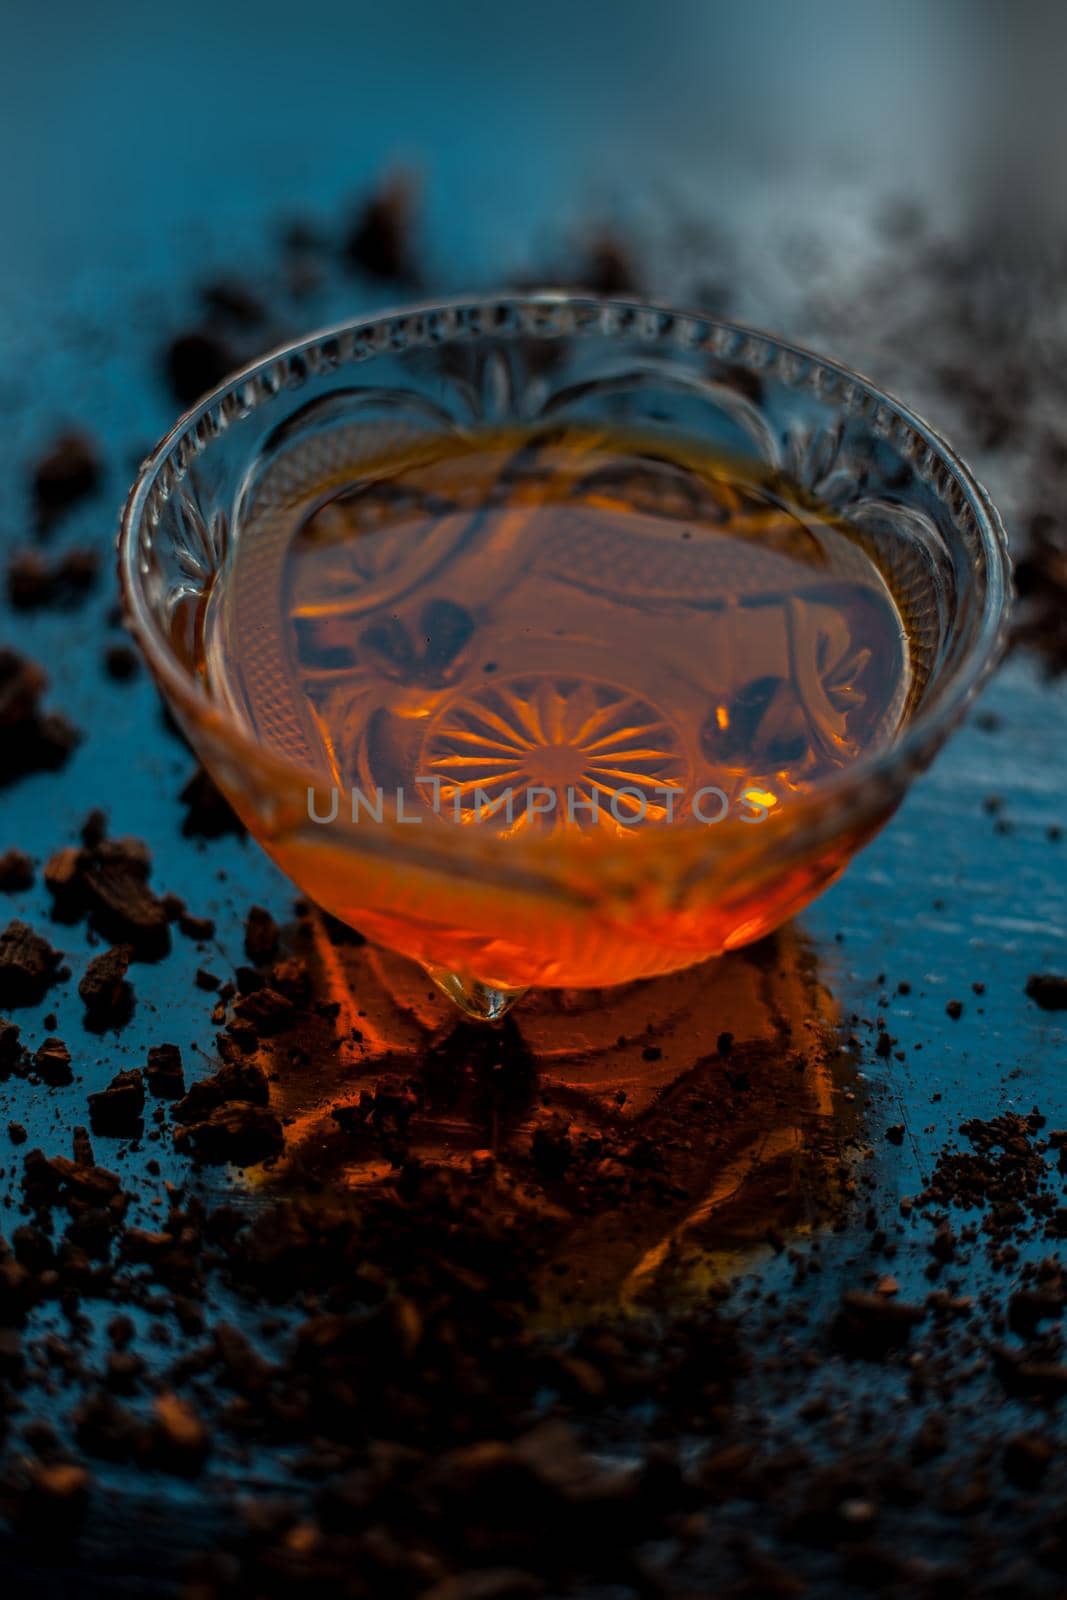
{"x": 94, "y": 828}
{"x": 29, "y": 580}
{"x": 197, "y": 362}
{"x": 52, "y": 1062}
{"x": 108, "y": 998}
{"x": 34, "y": 581}
{"x": 124, "y": 1370}
{"x": 238, "y": 1132}
{"x": 261, "y": 935}
{"x": 21, "y": 683}
{"x": 207, "y": 980}
{"x": 164, "y": 1072}
{"x": 1047, "y": 990}
{"x": 16, "y": 871}
{"x": 954, "y": 1009}
{"x": 122, "y": 906}
{"x": 117, "y": 1110}
{"x": 385, "y": 1112}
{"x": 138, "y": 1244}
{"x": 234, "y": 301}
{"x": 62, "y": 879}
{"x": 609, "y": 268}
{"x": 266, "y": 1010}
{"x": 196, "y": 928}
{"x": 11, "y": 1051}
{"x": 208, "y": 813}
{"x": 248, "y": 979}
{"x": 67, "y": 472}
{"x": 1025, "y": 1376}
{"x": 873, "y": 1325}
{"x": 28, "y": 965}
{"x": 1028, "y": 1307}
{"x": 121, "y": 662}
{"x": 291, "y": 978}
{"x": 55, "y": 1501}
{"x": 1004, "y": 1166}
{"x": 108, "y": 881}
{"x": 380, "y": 239}
{"x": 301, "y": 236}
{"x": 30, "y": 739}
{"x": 239, "y": 1039}
{"x": 107, "y": 1430}
{"x": 47, "y": 1179}
{"x": 83, "y": 1148}
{"x": 179, "y": 1441}
{"x": 33, "y": 1248}
{"x": 237, "y": 1080}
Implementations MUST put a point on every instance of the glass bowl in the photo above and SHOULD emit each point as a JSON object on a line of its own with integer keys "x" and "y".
{"x": 490, "y": 915}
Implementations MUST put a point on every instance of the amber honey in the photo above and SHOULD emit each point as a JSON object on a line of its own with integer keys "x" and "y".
{"x": 571, "y": 635}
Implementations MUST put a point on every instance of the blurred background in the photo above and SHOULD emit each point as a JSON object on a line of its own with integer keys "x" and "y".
{"x": 132, "y": 130}
{"x": 148, "y": 147}
{"x": 796, "y": 165}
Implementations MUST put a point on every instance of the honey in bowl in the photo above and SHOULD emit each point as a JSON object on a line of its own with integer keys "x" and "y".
{"x": 571, "y": 635}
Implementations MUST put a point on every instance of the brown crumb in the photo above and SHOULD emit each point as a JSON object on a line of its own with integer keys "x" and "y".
{"x": 52, "y": 1062}
{"x": 30, "y": 738}
{"x": 208, "y": 814}
{"x": 28, "y": 965}
{"x": 107, "y": 880}
{"x": 179, "y": 1439}
{"x": 164, "y": 1072}
{"x": 238, "y": 1132}
{"x": 107, "y": 996}
{"x": 67, "y": 472}
{"x": 1047, "y": 990}
{"x": 16, "y": 871}
{"x": 116, "y": 1111}
{"x": 873, "y": 1325}
{"x": 34, "y": 581}
{"x": 609, "y": 268}
{"x": 261, "y": 935}
{"x": 120, "y": 662}
{"x": 234, "y": 301}
{"x": 196, "y": 362}
{"x": 379, "y": 241}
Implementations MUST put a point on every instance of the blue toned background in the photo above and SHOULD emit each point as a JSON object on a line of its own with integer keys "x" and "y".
{"x": 127, "y": 127}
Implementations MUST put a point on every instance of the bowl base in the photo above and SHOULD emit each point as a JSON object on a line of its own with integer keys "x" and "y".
{"x": 474, "y": 999}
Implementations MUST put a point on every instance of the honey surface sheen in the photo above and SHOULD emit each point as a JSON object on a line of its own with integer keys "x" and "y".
{"x": 560, "y": 631}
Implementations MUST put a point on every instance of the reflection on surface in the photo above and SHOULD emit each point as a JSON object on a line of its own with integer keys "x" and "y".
{"x": 652, "y": 1138}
